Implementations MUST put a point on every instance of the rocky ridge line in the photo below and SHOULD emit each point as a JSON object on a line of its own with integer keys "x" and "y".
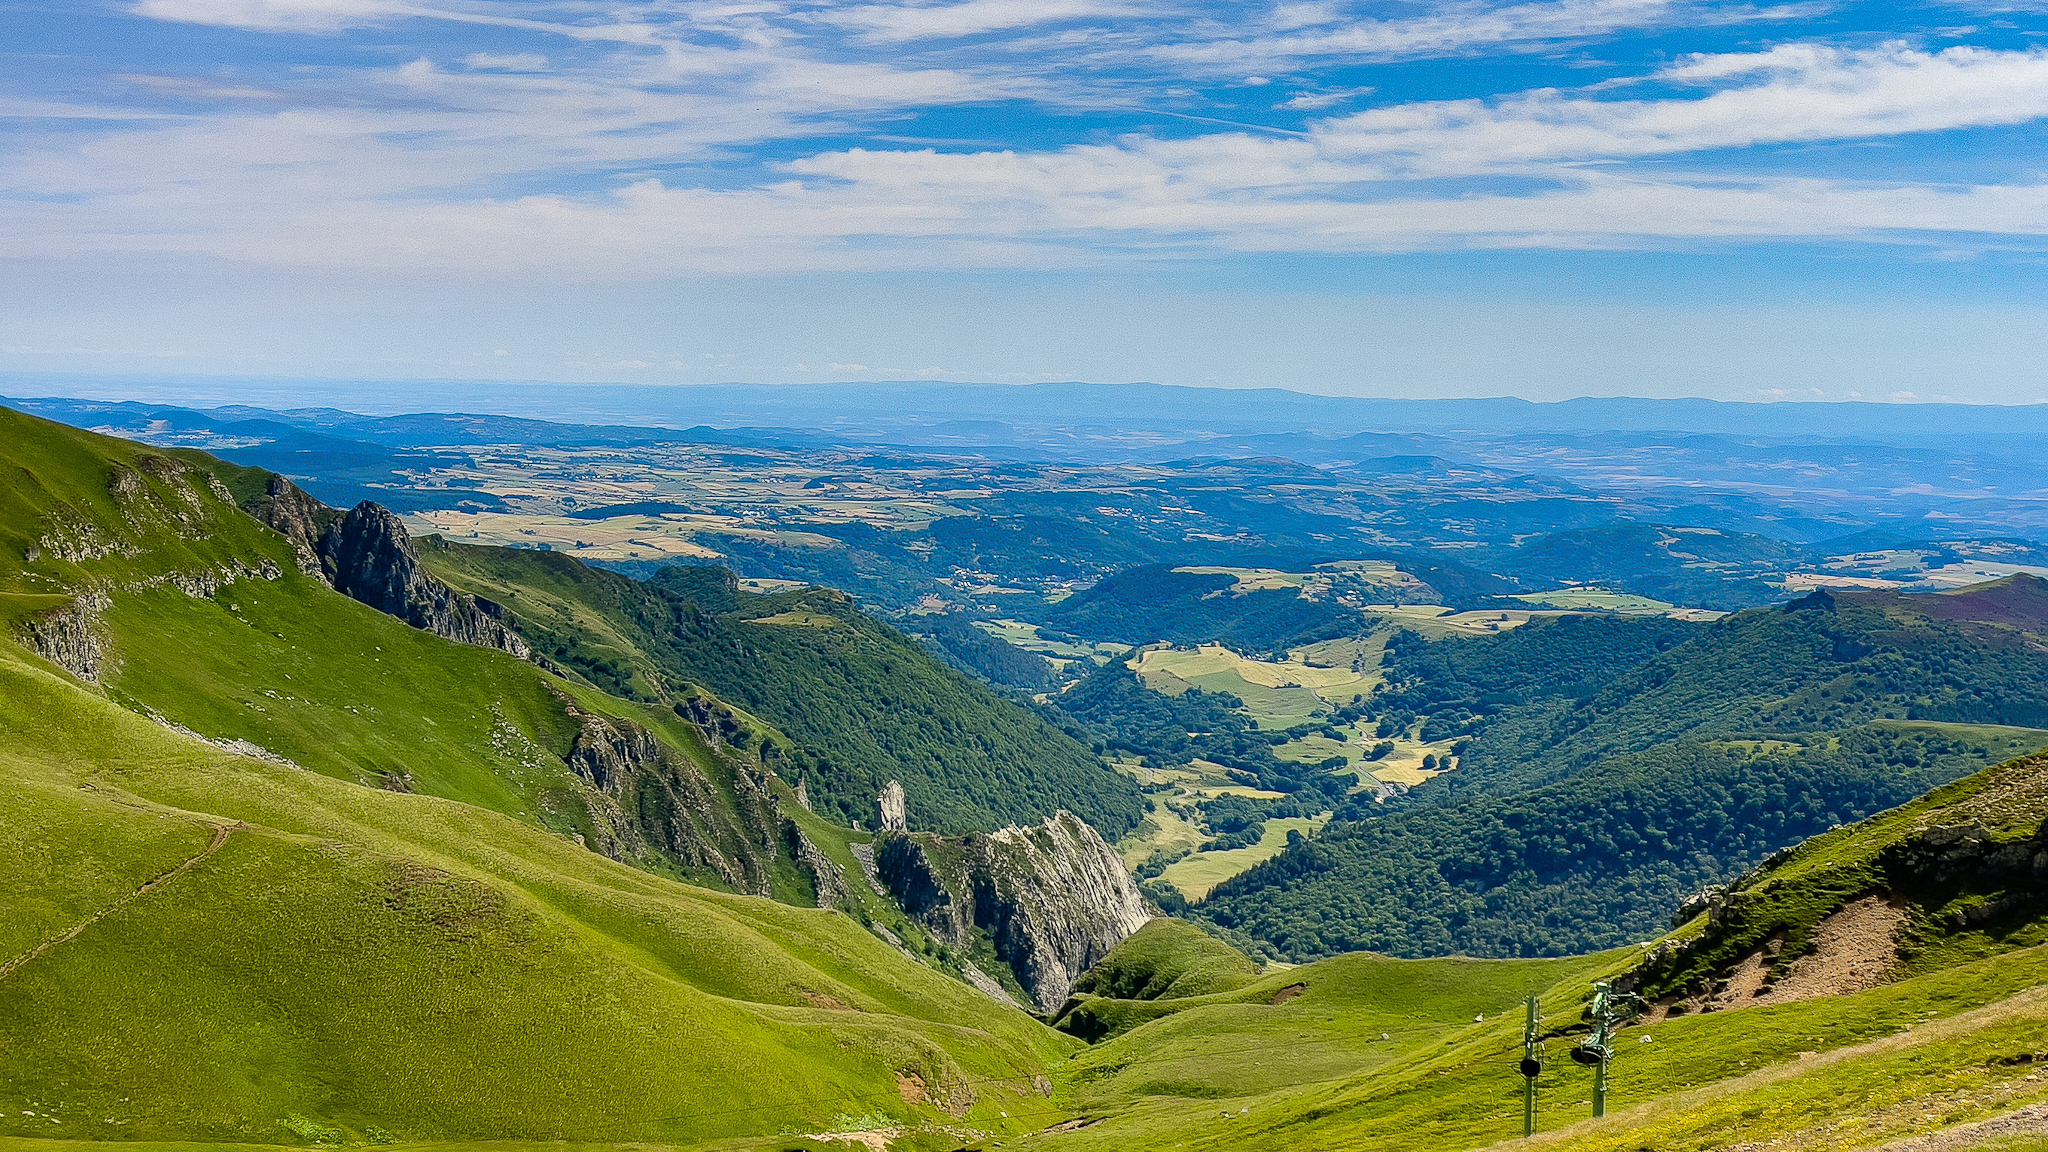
{"x": 367, "y": 555}
{"x": 1054, "y": 898}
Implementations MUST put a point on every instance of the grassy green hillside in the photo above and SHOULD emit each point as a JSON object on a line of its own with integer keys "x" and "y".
{"x": 862, "y": 703}
{"x": 209, "y": 946}
{"x": 1935, "y": 1020}
{"x": 344, "y": 886}
{"x": 141, "y": 567}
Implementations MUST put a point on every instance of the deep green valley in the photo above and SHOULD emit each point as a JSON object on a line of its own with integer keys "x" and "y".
{"x": 325, "y": 829}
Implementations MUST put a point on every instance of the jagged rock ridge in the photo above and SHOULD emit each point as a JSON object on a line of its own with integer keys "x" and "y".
{"x": 1054, "y": 898}
{"x": 368, "y": 555}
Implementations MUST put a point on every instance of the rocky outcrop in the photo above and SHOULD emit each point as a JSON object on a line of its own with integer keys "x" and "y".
{"x": 659, "y": 799}
{"x": 367, "y": 554}
{"x": 69, "y": 637}
{"x": 827, "y": 878}
{"x": 299, "y": 518}
{"x": 1053, "y": 898}
{"x": 370, "y": 557}
{"x": 895, "y": 815}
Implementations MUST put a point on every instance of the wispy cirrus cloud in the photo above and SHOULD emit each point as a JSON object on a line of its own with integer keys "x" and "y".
{"x": 320, "y": 16}
{"x": 900, "y": 23}
{"x": 1297, "y": 32}
{"x": 622, "y": 139}
{"x": 342, "y": 190}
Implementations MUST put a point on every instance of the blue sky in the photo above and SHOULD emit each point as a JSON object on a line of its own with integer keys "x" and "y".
{"x": 1548, "y": 198}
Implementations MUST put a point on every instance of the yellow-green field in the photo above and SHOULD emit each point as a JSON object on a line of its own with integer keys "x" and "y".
{"x": 1338, "y": 579}
{"x": 1172, "y": 826}
{"x": 1401, "y": 766}
{"x": 671, "y": 535}
{"x": 1061, "y": 653}
{"x": 1197, "y": 874}
{"x": 798, "y": 618}
{"x": 1597, "y": 598}
{"x": 1276, "y": 695}
{"x": 1163, "y": 829}
{"x": 1434, "y": 621}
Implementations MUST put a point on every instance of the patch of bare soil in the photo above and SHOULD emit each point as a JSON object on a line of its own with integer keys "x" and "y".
{"x": 1854, "y": 949}
{"x": 910, "y": 1086}
{"x": 1289, "y": 993}
{"x": 821, "y": 1000}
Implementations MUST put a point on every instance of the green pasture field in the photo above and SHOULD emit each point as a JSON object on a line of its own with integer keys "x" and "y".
{"x": 1202, "y": 871}
{"x": 1274, "y": 695}
{"x": 1599, "y": 599}
{"x": 1395, "y": 1055}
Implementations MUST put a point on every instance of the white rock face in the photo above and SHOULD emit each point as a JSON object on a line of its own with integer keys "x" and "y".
{"x": 1067, "y": 900}
{"x": 895, "y": 818}
{"x": 1054, "y": 898}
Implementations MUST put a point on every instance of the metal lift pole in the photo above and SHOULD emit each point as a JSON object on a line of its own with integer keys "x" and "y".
{"x": 1603, "y": 1021}
{"x": 1529, "y": 1082}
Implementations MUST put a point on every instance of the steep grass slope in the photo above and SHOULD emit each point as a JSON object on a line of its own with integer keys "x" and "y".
{"x": 343, "y": 890}
{"x": 207, "y": 946}
{"x": 138, "y": 571}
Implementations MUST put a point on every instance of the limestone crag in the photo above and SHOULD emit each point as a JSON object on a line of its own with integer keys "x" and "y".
{"x": 292, "y": 512}
{"x": 895, "y": 817}
{"x": 367, "y": 554}
{"x": 1053, "y": 898}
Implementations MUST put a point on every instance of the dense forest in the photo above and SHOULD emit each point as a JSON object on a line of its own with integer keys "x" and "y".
{"x": 1154, "y": 602}
{"x": 863, "y": 703}
{"x": 954, "y": 639}
{"x": 1611, "y": 766}
{"x": 1575, "y": 866}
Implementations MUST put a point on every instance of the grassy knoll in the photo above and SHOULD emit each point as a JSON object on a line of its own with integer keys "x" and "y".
{"x": 1275, "y": 694}
{"x": 344, "y": 959}
{"x": 1385, "y": 1054}
{"x": 1198, "y": 873}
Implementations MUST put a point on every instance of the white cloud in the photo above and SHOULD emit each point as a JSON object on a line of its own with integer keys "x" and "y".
{"x": 1315, "y": 101}
{"x": 1298, "y": 32}
{"x": 427, "y": 166}
{"x": 513, "y": 62}
{"x": 1800, "y": 93}
{"x": 891, "y": 23}
{"x": 276, "y": 15}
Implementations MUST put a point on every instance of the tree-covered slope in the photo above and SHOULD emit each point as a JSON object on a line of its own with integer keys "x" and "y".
{"x": 1156, "y": 602}
{"x": 862, "y": 703}
{"x": 205, "y": 946}
{"x": 1610, "y": 767}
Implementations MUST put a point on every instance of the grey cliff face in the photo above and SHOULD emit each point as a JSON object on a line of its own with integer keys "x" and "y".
{"x": 69, "y": 637}
{"x": 653, "y": 794}
{"x": 368, "y": 556}
{"x": 1054, "y": 898}
{"x": 293, "y": 513}
{"x": 643, "y": 794}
